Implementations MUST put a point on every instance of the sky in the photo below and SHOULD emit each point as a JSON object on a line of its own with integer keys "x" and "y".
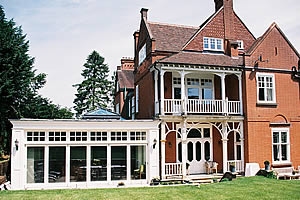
{"x": 62, "y": 33}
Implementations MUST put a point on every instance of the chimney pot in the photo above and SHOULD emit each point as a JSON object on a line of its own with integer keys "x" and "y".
{"x": 144, "y": 13}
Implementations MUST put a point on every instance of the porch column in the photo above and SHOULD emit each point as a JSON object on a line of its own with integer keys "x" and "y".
{"x": 222, "y": 76}
{"x": 225, "y": 155}
{"x": 162, "y": 92}
{"x": 156, "y": 92}
{"x": 163, "y": 149}
{"x": 184, "y": 148}
{"x": 240, "y": 93}
{"x": 183, "y": 99}
{"x": 242, "y": 144}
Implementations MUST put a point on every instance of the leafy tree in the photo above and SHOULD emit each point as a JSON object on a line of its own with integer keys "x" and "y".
{"x": 19, "y": 83}
{"x": 95, "y": 90}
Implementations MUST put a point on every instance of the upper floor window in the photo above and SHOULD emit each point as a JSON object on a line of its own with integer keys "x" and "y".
{"x": 265, "y": 88}
{"x": 214, "y": 44}
{"x": 142, "y": 54}
{"x": 281, "y": 145}
{"x": 241, "y": 44}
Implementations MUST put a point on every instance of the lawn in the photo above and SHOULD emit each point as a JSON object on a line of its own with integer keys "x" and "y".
{"x": 242, "y": 188}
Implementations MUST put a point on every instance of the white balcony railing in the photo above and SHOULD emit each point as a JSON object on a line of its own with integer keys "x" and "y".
{"x": 238, "y": 164}
{"x": 209, "y": 106}
{"x": 173, "y": 169}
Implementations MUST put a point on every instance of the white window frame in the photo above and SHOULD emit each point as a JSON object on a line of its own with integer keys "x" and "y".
{"x": 118, "y": 108}
{"x": 142, "y": 54}
{"x": 241, "y": 44}
{"x": 280, "y": 130}
{"x": 265, "y": 88}
{"x": 210, "y": 40}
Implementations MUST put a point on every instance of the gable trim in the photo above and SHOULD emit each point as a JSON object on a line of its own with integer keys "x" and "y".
{"x": 200, "y": 29}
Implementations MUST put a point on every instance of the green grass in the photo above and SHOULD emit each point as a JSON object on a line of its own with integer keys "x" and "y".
{"x": 242, "y": 188}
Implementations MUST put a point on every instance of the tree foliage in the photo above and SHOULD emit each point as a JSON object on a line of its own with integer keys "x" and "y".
{"x": 19, "y": 83}
{"x": 95, "y": 89}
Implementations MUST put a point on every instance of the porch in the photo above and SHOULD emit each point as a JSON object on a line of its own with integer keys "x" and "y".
{"x": 187, "y": 147}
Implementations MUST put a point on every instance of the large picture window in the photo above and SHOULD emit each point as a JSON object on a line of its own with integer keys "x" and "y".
{"x": 118, "y": 163}
{"x": 35, "y": 164}
{"x": 78, "y": 164}
{"x": 138, "y": 162}
{"x": 99, "y": 163}
{"x": 281, "y": 145}
{"x": 57, "y": 164}
{"x": 265, "y": 88}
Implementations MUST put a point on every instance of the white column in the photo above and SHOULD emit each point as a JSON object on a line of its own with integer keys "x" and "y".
{"x": 128, "y": 168}
{"x": 183, "y": 98}
{"x": 225, "y": 155}
{"x": 109, "y": 164}
{"x": 162, "y": 92}
{"x": 88, "y": 164}
{"x": 242, "y": 144}
{"x": 68, "y": 167}
{"x": 184, "y": 148}
{"x": 156, "y": 92}
{"x": 240, "y": 93}
{"x": 163, "y": 149}
{"x": 46, "y": 167}
{"x": 222, "y": 76}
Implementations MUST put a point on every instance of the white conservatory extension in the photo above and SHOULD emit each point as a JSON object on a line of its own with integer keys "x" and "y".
{"x": 50, "y": 154}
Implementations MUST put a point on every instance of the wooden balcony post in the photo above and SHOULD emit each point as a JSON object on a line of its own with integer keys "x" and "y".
{"x": 162, "y": 92}
{"x": 184, "y": 148}
{"x": 183, "y": 99}
{"x": 163, "y": 149}
{"x": 222, "y": 76}
{"x": 224, "y": 146}
{"x": 242, "y": 145}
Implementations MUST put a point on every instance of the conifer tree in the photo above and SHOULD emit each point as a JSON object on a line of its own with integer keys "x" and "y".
{"x": 95, "y": 90}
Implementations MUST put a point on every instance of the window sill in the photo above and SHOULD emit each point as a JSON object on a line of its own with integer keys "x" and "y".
{"x": 271, "y": 104}
{"x": 281, "y": 164}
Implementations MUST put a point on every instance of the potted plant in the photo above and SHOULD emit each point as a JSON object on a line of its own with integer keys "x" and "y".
{"x": 155, "y": 181}
{"x": 267, "y": 165}
{"x": 232, "y": 167}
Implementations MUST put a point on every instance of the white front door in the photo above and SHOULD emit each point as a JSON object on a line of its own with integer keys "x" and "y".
{"x": 199, "y": 149}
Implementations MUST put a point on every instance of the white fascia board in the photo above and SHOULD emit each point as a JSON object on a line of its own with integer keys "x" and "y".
{"x": 84, "y": 124}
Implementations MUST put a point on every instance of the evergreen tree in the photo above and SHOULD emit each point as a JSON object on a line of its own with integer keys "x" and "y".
{"x": 19, "y": 84}
{"x": 95, "y": 90}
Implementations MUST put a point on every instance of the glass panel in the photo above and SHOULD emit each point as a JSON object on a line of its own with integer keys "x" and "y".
{"x": 198, "y": 151}
{"x": 238, "y": 137}
{"x": 276, "y": 152}
{"x": 284, "y": 152}
{"x": 206, "y": 132}
{"x": 99, "y": 163}
{"x": 190, "y": 151}
{"x": 194, "y": 133}
{"x": 78, "y": 164}
{"x": 57, "y": 164}
{"x": 207, "y": 93}
{"x": 193, "y": 93}
{"x": 35, "y": 165}
{"x": 261, "y": 94}
{"x": 269, "y": 94}
{"x": 206, "y": 43}
{"x": 239, "y": 152}
{"x": 138, "y": 162}
{"x": 283, "y": 137}
{"x": 276, "y": 137}
{"x": 207, "y": 150}
{"x": 219, "y": 44}
{"x": 177, "y": 93}
{"x": 213, "y": 43}
{"x": 179, "y": 152}
{"x": 118, "y": 163}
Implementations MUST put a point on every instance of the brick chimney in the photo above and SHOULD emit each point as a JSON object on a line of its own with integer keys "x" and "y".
{"x": 144, "y": 13}
{"x": 228, "y": 18}
{"x": 218, "y": 4}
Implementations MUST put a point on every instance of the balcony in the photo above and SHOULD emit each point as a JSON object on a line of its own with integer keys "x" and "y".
{"x": 202, "y": 106}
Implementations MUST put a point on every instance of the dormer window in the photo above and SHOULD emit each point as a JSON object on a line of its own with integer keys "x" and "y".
{"x": 240, "y": 44}
{"x": 142, "y": 54}
{"x": 213, "y": 44}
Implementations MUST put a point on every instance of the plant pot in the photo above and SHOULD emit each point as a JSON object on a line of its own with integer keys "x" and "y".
{"x": 267, "y": 167}
{"x": 232, "y": 168}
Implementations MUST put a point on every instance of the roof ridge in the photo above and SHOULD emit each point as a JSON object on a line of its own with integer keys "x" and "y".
{"x": 176, "y": 25}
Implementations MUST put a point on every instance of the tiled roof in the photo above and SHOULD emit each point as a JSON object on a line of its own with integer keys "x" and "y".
{"x": 126, "y": 79}
{"x": 195, "y": 58}
{"x": 170, "y": 37}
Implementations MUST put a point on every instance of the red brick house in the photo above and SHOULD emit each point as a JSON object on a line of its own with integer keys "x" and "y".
{"x": 220, "y": 93}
